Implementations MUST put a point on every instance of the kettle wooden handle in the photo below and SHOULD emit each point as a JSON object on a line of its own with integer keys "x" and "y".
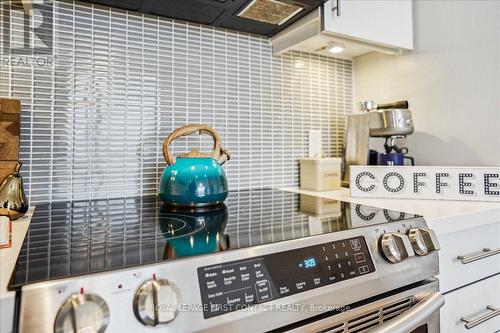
{"x": 187, "y": 130}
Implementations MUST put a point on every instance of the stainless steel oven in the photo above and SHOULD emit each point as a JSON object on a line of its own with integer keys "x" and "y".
{"x": 255, "y": 264}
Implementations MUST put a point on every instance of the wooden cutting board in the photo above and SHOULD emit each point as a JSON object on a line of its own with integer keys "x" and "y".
{"x": 9, "y": 135}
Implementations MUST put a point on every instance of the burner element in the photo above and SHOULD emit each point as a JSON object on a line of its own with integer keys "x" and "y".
{"x": 163, "y": 228}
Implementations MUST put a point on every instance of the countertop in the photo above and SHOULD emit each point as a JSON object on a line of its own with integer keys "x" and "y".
{"x": 8, "y": 258}
{"x": 443, "y": 216}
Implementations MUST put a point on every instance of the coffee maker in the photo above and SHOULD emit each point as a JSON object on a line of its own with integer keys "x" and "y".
{"x": 391, "y": 121}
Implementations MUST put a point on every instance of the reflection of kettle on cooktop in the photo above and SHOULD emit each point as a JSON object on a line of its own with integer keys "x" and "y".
{"x": 193, "y": 231}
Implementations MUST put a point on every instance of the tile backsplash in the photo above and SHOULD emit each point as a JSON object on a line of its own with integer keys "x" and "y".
{"x": 93, "y": 122}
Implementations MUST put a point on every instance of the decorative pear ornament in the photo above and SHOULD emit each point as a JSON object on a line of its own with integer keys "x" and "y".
{"x": 13, "y": 201}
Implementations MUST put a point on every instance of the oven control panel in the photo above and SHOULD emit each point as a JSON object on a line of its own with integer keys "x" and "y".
{"x": 239, "y": 284}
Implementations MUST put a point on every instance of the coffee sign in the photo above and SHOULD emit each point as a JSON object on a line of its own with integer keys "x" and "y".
{"x": 445, "y": 183}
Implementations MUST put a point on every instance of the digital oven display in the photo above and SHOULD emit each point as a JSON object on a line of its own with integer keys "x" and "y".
{"x": 308, "y": 263}
{"x": 239, "y": 284}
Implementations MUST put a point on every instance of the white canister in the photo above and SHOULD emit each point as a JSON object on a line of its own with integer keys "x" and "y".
{"x": 320, "y": 173}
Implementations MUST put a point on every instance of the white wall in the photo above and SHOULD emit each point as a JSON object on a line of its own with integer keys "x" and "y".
{"x": 451, "y": 79}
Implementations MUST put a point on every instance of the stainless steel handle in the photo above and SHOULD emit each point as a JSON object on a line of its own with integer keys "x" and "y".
{"x": 414, "y": 317}
{"x": 393, "y": 105}
{"x": 336, "y": 7}
{"x": 470, "y": 258}
{"x": 470, "y": 323}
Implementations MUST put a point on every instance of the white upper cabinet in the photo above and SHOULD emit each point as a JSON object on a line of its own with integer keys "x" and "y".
{"x": 385, "y": 22}
{"x": 359, "y": 26}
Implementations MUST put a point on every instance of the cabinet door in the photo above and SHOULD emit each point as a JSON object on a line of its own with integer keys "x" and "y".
{"x": 468, "y": 243}
{"x": 381, "y": 22}
{"x": 473, "y": 309}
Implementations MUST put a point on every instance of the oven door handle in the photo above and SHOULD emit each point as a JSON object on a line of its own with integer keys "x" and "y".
{"x": 414, "y": 317}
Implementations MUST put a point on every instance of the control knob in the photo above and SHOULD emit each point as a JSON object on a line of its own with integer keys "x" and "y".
{"x": 396, "y": 247}
{"x": 82, "y": 313}
{"x": 156, "y": 302}
{"x": 423, "y": 241}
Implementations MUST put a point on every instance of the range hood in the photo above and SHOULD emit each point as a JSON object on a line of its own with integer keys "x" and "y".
{"x": 262, "y": 17}
{"x": 363, "y": 27}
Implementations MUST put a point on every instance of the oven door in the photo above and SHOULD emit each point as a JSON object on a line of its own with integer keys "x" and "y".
{"x": 411, "y": 310}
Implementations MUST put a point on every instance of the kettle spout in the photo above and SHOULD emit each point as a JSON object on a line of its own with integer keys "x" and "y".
{"x": 224, "y": 156}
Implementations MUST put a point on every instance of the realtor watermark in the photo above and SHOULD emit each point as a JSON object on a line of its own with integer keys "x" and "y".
{"x": 27, "y": 33}
{"x": 187, "y": 307}
{"x": 27, "y": 61}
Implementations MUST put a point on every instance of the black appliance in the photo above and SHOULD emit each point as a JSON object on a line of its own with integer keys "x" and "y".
{"x": 261, "y": 17}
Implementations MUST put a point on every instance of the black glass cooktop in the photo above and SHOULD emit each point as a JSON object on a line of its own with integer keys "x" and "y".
{"x": 82, "y": 237}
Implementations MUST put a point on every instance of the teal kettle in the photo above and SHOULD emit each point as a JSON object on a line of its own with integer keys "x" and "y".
{"x": 194, "y": 179}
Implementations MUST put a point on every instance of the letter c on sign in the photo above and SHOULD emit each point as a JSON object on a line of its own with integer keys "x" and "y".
{"x": 368, "y": 217}
{"x": 401, "y": 182}
{"x": 358, "y": 181}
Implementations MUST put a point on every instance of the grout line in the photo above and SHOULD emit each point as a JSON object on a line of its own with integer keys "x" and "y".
{"x": 109, "y": 106}
{"x": 158, "y": 107}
